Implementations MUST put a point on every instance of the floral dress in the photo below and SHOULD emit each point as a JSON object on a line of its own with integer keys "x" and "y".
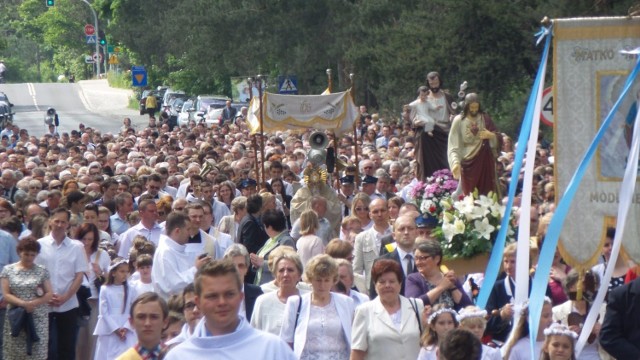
{"x": 24, "y": 284}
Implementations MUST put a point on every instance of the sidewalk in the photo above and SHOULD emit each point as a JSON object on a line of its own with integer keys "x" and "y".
{"x": 100, "y": 98}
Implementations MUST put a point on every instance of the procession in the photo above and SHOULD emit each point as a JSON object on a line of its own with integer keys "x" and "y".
{"x": 314, "y": 227}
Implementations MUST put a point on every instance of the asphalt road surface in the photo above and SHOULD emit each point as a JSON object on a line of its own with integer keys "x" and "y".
{"x": 92, "y": 103}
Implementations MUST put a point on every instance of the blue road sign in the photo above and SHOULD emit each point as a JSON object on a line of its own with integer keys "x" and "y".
{"x": 138, "y": 76}
{"x": 288, "y": 84}
{"x": 91, "y": 39}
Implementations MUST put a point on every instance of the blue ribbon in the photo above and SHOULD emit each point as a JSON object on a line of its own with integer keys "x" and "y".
{"x": 541, "y": 278}
{"x": 495, "y": 261}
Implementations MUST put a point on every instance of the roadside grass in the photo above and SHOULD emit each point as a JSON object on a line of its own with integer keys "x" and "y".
{"x": 122, "y": 80}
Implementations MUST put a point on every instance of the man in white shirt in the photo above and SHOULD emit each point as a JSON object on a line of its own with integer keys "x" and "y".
{"x": 66, "y": 261}
{"x": 153, "y": 185}
{"x": 147, "y": 227}
{"x": 275, "y": 170}
{"x": 220, "y": 209}
{"x": 223, "y": 333}
{"x": 223, "y": 240}
{"x": 199, "y": 242}
{"x": 173, "y": 268}
{"x": 367, "y": 244}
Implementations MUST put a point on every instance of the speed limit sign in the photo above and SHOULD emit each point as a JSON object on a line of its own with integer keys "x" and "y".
{"x": 546, "y": 111}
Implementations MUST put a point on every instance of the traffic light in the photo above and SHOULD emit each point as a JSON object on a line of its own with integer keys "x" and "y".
{"x": 50, "y": 2}
{"x": 102, "y": 39}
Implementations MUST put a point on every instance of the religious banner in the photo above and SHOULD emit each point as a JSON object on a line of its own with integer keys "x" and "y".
{"x": 336, "y": 112}
{"x": 590, "y": 69}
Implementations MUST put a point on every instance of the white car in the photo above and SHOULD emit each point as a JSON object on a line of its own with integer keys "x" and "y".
{"x": 188, "y": 112}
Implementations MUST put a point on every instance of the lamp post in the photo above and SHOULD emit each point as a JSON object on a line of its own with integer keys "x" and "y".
{"x": 258, "y": 81}
{"x": 95, "y": 25}
{"x": 329, "y": 81}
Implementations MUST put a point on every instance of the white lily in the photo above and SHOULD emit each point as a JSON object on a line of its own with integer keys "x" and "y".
{"x": 458, "y": 227}
{"x": 483, "y": 228}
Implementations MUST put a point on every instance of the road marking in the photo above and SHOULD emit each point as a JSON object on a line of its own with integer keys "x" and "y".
{"x": 84, "y": 100}
{"x": 32, "y": 92}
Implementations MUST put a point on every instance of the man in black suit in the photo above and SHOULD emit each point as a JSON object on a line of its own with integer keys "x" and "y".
{"x": 251, "y": 233}
{"x": 620, "y": 332}
{"x": 405, "y": 232}
{"x": 388, "y": 241}
{"x": 240, "y": 257}
{"x": 228, "y": 114}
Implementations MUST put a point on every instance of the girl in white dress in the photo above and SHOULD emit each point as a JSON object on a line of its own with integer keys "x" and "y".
{"x": 559, "y": 343}
{"x": 473, "y": 319}
{"x": 440, "y": 322}
{"x": 517, "y": 346}
{"x": 115, "y": 334}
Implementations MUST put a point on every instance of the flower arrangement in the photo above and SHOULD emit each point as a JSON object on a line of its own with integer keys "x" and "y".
{"x": 469, "y": 226}
{"x": 429, "y": 194}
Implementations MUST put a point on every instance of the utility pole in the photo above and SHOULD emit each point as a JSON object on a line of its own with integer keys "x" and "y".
{"x": 95, "y": 24}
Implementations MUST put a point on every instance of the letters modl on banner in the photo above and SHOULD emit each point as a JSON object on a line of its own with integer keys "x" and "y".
{"x": 589, "y": 74}
{"x": 335, "y": 112}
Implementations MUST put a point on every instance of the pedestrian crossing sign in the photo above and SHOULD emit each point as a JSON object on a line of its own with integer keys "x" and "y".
{"x": 287, "y": 84}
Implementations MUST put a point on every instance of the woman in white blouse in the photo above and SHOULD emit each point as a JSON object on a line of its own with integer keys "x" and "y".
{"x": 98, "y": 260}
{"x": 268, "y": 311}
{"x": 390, "y": 325}
{"x": 318, "y": 325}
{"x": 309, "y": 244}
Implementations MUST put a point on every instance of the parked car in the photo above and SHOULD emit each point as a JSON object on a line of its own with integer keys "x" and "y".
{"x": 6, "y": 113}
{"x": 5, "y": 98}
{"x": 187, "y": 112}
{"x": 172, "y": 94}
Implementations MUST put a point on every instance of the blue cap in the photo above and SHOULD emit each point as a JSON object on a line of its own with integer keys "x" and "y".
{"x": 426, "y": 221}
{"x": 368, "y": 179}
{"x": 247, "y": 183}
{"x": 347, "y": 179}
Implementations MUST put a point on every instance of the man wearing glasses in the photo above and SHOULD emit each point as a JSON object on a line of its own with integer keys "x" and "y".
{"x": 367, "y": 244}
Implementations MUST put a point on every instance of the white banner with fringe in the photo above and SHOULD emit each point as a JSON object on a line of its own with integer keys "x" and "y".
{"x": 336, "y": 112}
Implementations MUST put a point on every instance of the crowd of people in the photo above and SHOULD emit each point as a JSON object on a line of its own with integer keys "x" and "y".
{"x": 169, "y": 242}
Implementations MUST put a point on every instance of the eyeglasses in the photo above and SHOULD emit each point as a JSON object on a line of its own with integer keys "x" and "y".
{"x": 422, "y": 258}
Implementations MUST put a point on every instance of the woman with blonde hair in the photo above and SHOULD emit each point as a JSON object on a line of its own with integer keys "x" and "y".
{"x": 309, "y": 244}
{"x": 360, "y": 209}
{"x": 269, "y": 308}
{"x": 318, "y": 325}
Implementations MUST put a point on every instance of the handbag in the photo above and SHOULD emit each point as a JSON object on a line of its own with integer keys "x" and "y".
{"x": 83, "y": 294}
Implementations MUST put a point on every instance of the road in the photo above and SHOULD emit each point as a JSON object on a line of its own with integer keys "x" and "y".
{"x": 90, "y": 102}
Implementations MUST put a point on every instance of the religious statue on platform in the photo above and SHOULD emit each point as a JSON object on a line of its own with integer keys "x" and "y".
{"x": 430, "y": 114}
{"x": 473, "y": 148}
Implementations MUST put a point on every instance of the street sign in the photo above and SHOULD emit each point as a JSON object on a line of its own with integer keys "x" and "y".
{"x": 89, "y": 29}
{"x": 110, "y": 49}
{"x": 91, "y": 39}
{"x": 138, "y": 76}
{"x": 546, "y": 112}
{"x": 288, "y": 84}
{"x": 113, "y": 60}
{"x": 97, "y": 57}
{"x": 89, "y": 59}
